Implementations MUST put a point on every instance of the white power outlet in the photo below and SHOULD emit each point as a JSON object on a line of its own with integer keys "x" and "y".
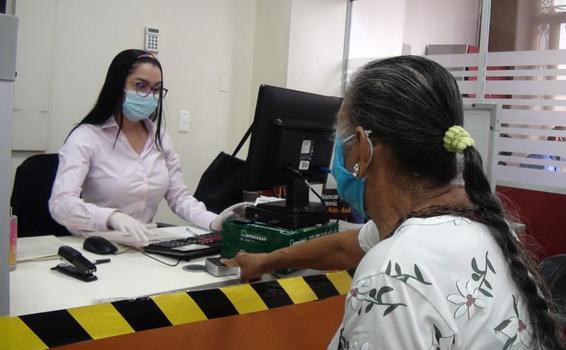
{"x": 184, "y": 124}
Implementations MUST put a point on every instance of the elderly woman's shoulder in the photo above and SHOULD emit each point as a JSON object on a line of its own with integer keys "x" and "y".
{"x": 441, "y": 231}
{"x": 435, "y": 243}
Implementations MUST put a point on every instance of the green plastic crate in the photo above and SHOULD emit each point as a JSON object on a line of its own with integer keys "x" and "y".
{"x": 258, "y": 238}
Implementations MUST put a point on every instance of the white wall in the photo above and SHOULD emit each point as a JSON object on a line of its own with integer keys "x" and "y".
{"x": 36, "y": 45}
{"x": 440, "y": 22}
{"x": 381, "y": 27}
{"x": 271, "y": 47}
{"x": 36, "y": 48}
{"x": 199, "y": 41}
{"x": 10, "y": 4}
{"x": 299, "y": 44}
{"x": 316, "y": 45}
{"x": 377, "y": 28}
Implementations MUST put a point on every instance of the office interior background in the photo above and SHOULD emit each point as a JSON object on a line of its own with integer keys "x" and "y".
{"x": 216, "y": 53}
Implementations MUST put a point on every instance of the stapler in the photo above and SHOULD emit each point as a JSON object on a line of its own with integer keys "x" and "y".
{"x": 78, "y": 266}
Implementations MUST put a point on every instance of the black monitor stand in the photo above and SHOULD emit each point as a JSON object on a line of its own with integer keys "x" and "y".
{"x": 294, "y": 212}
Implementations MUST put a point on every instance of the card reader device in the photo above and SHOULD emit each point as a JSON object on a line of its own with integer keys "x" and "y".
{"x": 216, "y": 267}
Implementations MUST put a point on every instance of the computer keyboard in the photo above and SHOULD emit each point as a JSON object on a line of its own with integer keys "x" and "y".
{"x": 212, "y": 243}
{"x": 204, "y": 239}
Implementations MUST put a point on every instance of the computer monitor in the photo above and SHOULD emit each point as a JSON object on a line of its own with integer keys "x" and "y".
{"x": 292, "y": 141}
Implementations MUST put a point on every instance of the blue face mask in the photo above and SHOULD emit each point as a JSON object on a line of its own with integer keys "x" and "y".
{"x": 136, "y": 107}
{"x": 350, "y": 188}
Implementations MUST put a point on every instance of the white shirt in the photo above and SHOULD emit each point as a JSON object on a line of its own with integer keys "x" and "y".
{"x": 437, "y": 283}
{"x": 368, "y": 236}
{"x": 99, "y": 174}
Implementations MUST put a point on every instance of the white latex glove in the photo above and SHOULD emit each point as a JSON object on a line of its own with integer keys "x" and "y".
{"x": 233, "y": 211}
{"x": 125, "y": 223}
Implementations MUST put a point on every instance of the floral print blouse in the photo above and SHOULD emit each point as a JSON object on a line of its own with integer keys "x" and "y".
{"x": 437, "y": 283}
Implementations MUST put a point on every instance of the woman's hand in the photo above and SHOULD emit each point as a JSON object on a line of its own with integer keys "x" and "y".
{"x": 252, "y": 266}
{"x": 125, "y": 223}
{"x": 234, "y": 211}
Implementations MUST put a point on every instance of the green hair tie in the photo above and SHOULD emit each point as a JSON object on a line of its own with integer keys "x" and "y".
{"x": 457, "y": 139}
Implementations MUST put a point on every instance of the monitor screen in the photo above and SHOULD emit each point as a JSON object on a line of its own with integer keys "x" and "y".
{"x": 292, "y": 141}
{"x": 292, "y": 130}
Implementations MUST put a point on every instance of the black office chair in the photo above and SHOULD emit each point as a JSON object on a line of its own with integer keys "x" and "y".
{"x": 553, "y": 270}
{"x": 30, "y": 195}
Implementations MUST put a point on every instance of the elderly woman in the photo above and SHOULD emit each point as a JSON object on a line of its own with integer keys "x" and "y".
{"x": 448, "y": 272}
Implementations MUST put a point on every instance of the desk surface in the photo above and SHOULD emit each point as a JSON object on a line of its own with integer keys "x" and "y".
{"x": 35, "y": 288}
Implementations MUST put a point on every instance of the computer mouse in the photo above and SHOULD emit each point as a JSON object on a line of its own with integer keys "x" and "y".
{"x": 99, "y": 245}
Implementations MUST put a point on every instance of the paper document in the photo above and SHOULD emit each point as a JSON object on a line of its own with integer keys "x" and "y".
{"x": 32, "y": 248}
{"x": 190, "y": 247}
{"x": 267, "y": 199}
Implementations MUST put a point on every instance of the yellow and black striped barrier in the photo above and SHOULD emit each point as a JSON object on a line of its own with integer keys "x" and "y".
{"x": 55, "y": 328}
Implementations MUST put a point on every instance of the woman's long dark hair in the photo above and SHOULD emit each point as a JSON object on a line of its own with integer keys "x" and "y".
{"x": 408, "y": 103}
{"x": 112, "y": 93}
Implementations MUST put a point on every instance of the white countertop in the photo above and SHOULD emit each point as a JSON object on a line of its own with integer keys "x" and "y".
{"x": 34, "y": 287}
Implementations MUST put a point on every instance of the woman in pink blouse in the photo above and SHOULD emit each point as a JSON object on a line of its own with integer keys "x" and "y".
{"x": 118, "y": 163}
